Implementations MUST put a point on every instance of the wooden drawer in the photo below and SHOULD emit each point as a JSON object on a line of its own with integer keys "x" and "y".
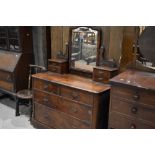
{"x": 118, "y": 121}
{"x": 46, "y": 86}
{"x": 77, "y": 95}
{"x": 75, "y": 109}
{"x": 6, "y": 76}
{"x": 56, "y": 119}
{"x": 56, "y": 69}
{"x": 6, "y": 85}
{"x": 134, "y": 95}
{"x": 101, "y": 75}
{"x": 133, "y": 109}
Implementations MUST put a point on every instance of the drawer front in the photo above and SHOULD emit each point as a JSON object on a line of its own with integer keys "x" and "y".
{"x": 50, "y": 63}
{"x": 118, "y": 121}
{"x": 77, "y": 95}
{"x": 46, "y": 86}
{"x": 6, "y": 76}
{"x": 56, "y": 119}
{"x": 101, "y": 76}
{"x": 133, "y": 110}
{"x": 56, "y": 69}
{"x": 7, "y": 86}
{"x": 134, "y": 95}
{"x": 69, "y": 107}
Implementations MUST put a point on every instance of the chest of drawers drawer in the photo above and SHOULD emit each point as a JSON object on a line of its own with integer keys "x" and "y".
{"x": 59, "y": 103}
{"x": 56, "y": 119}
{"x": 46, "y": 86}
{"x": 6, "y": 76}
{"x": 134, "y": 95}
{"x": 118, "y": 121}
{"x": 77, "y": 95}
{"x": 133, "y": 109}
{"x": 58, "y": 66}
{"x": 7, "y": 85}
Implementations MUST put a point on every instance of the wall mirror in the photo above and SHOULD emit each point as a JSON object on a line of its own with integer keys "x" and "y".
{"x": 84, "y": 49}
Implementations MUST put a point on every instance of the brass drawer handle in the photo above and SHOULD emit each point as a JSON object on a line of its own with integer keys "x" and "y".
{"x": 100, "y": 78}
{"x": 133, "y": 126}
{"x": 134, "y": 110}
{"x": 74, "y": 127}
{"x": 100, "y": 72}
{"x": 74, "y": 110}
{"x": 45, "y": 99}
{"x": 45, "y": 87}
{"x": 54, "y": 69}
{"x": 136, "y": 97}
{"x": 74, "y": 95}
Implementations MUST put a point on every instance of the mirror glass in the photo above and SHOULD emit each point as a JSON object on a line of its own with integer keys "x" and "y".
{"x": 84, "y": 48}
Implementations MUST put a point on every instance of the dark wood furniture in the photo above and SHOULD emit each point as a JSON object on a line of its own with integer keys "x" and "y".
{"x": 15, "y": 56}
{"x": 132, "y": 100}
{"x": 69, "y": 101}
{"x": 58, "y": 65}
{"x": 104, "y": 74}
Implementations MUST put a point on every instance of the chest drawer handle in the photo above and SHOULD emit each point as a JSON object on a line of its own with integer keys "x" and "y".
{"x": 45, "y": 100}
{"x": 133, "y": 126}
{"x": 74, "y": 127}
{"x": 74, "y": 110}
{"x": 134, "y": 110}
{"x": 136, "y": 97}
{"x": 74, "y": 95}
{"x": 100, "y": 78}
{"x": 45, "y": 87}
{"x": 54, "y": 69}
{"x": 100, "y": 72}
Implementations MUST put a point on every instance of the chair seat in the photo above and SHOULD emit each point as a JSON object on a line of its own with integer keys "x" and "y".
{"x": 24, "y": 94}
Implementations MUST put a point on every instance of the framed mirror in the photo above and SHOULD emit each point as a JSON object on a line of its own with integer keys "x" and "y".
{"x": 84, "y": 49}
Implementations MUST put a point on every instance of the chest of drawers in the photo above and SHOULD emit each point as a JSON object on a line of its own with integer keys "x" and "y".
{"x": 104, "y": 74}
{"x": 67, "y": 101}
{"x": 58, "y": 66}
{"x": 132, "y": 100}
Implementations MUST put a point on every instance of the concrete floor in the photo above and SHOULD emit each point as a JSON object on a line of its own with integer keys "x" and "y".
{"x": 8, "y": 120}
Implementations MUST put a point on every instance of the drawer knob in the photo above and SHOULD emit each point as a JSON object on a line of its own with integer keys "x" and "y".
{"x": 133, "y": 126}
{"x": 134, "y": 110}
{"x": 136, "y": 97}
{"x": 100, "y": 78}
{"x": 45, "y": 87}
{"x": 74, "y": 95}
{"x": 74, "y": 110}
{"x": 54, "y": 69}
{"x": 45, "y": 100}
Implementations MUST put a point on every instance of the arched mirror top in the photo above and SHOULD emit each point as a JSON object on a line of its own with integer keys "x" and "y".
{"x": 84, "y": 51}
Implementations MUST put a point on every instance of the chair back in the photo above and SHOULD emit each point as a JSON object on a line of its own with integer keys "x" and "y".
{"x": 34, "y": 69}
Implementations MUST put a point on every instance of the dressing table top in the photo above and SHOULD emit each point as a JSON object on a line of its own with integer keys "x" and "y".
{"x": 135, "y": 78}
{"x": 74, "y": 81}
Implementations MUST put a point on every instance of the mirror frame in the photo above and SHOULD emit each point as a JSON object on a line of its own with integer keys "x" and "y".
{"x": 79, "y": 71}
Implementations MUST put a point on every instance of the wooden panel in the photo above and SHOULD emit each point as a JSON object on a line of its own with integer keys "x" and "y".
{"x": 77, "y": 95}
{"x": 56, "y": 40}
{"x": 45, "y": 86}
{"x": 120, "y": 122}
{"x": 129, "y": 36}
{"x": 7, "y": 86}
{"x": 56, "y": 119}
{"x": 65, "y": 37}
{"x": 133, "y": 109}
{"x": 75, "y": 109}
{"x": 6, "y": 76}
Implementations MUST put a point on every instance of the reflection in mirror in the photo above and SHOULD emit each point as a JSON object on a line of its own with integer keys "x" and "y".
{"x": 84, "y": 48}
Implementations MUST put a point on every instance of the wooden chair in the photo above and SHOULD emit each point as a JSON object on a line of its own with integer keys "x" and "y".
{"x": 26, "y": 94}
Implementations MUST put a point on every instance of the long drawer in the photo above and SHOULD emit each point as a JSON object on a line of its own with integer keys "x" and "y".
{"x": 7, "y": 85}
{"x": 134, "y": 95}
{"x": 119, "y": 121}
{"x": 81, "y": 111}
{"x": 6, "y": 76}
{"x": 46, "y": 86}
{"x": 133, "y": 109}
{"x": 56, "y": 119}
{"x": 77, "y": 95}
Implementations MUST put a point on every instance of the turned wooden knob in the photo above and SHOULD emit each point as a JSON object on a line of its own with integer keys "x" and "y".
{"x": 133, "y": 126}
{"x": 136, "y": 96}
{"x": 134, "y": 110}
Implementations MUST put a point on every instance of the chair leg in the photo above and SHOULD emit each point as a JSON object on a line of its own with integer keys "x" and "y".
{"x": 17, "y": 107}
{"x": 30, "y": 104}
